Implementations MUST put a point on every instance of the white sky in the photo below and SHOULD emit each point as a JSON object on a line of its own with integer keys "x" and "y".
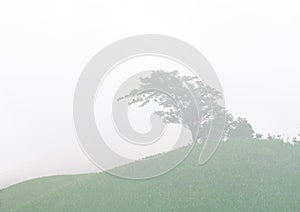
{"x": 254, "y": 47}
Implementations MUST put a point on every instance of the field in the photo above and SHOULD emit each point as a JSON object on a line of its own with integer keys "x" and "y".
{"x": 242, "y": 176}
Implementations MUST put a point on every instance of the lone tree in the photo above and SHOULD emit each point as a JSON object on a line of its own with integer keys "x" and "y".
{"x": 181, "y": 98}
{"x": 240, "y": 129}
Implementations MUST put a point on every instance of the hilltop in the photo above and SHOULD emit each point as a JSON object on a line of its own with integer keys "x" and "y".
{"x": 242, "y": 176}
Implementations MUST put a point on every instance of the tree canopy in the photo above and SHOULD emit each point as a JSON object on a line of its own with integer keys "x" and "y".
{"x": 240, "y": 129}
{"x": 184, "y": 100}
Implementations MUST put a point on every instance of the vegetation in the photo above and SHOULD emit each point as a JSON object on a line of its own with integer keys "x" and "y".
{"x": 181, "y": 99}
{"x": 241, "y": 129}
{"x": 248, "y": 175}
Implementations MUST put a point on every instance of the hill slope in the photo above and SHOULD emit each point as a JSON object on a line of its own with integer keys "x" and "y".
{"x": 242, "y": 176}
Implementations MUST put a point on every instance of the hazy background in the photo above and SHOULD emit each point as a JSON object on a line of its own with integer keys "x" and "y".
{"x": 254, "y": 47}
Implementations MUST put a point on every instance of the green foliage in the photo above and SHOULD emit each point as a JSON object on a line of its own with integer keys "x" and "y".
{"x": 184, "y": 100}
{"x": 296, "y": 139}
{"x": 242, "y": 176}
{"x": 258, "y": 136}
{"x": 240, "y": 129}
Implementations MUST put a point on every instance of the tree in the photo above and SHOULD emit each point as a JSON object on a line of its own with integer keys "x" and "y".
{"x": 180, "y": 98}
{"x": 240, "y": 129}
{"x": 258, "y": 136}
{"x": 296, "y": 139}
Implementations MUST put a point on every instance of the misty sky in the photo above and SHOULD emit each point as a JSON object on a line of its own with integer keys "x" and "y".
{"x": 254, "y": 47}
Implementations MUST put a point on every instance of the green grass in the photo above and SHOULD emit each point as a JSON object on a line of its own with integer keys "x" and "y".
{"x": 242, "y": 176}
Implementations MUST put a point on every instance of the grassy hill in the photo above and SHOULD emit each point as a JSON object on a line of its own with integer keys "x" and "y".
{"x": 242, "y": 176}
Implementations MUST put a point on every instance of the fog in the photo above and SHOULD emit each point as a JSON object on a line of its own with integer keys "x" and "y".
{"x": 44, "y": 45}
